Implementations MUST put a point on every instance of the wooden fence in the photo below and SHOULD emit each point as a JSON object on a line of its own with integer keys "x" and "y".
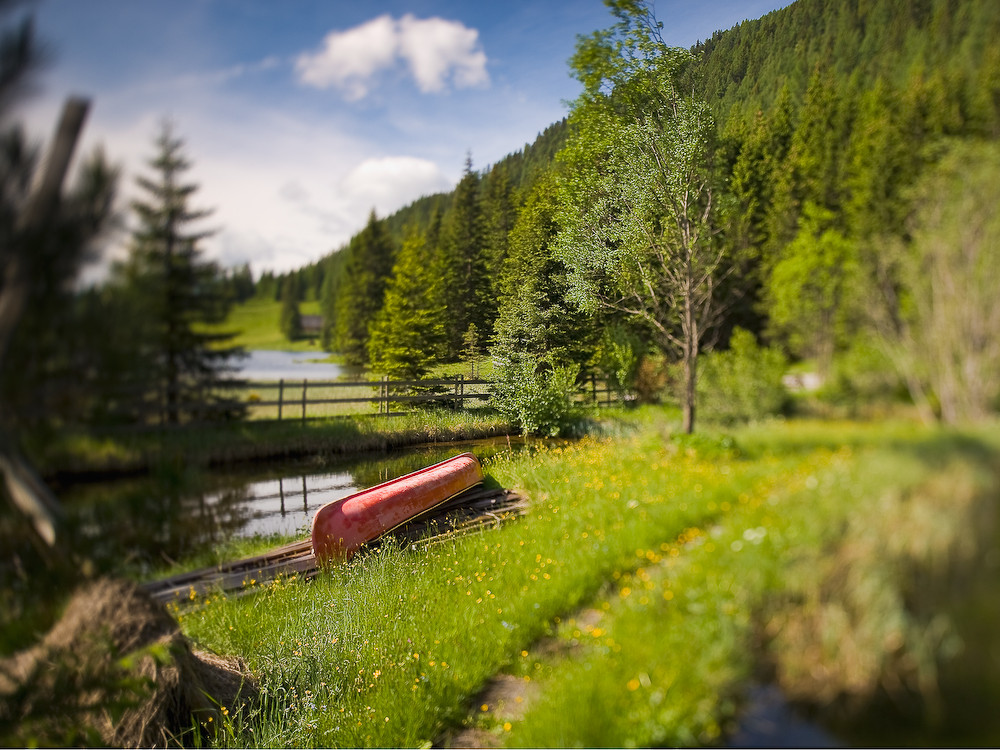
{"x": 307, "y": 399}
{"x": 286, "y": 400}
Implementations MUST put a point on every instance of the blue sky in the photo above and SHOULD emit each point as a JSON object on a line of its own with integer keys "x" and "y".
{"x": 300, "y": 116}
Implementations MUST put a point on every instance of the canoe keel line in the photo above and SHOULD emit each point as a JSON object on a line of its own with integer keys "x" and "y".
{"x": 428, "y": 504}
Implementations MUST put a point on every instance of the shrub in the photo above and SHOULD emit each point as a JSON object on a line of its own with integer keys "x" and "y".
{"x": 618, "y": 356}
{"x": 651, "y": 379}
{"x": 537, "y": 394}
{"x": 743, "y": 383}
{"x": 861, "y": 376}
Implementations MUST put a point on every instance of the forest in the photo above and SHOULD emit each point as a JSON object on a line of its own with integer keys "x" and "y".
{"x": 846, "y": 165}
{"x": 851, "y": 154}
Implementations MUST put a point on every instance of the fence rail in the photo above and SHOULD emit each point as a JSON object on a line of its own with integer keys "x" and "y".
{"x": 307, "y": 399}
{"x": 302, "y": 400}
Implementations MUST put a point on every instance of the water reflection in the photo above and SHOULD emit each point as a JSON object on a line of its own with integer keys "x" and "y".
{"x": 179, "y": 512}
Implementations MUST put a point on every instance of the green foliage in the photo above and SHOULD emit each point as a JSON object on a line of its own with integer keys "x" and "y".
{"x": 534, "y": 316}
{"x": 862, "y": 377}
{"x": 811, "y": 286}
{"x": 291, "y": 318}
{"x": 742, "y": 383}
{"x": 50, "y": 367}
{"x": 638, "y": 207}
{"x": 170, "y": 292}
{"x": 359, "y": 294}
{"x": 618, "y": 355}
{"x": 466, "y": 291}
{"x": 538, "y": 396}
{"x": 408, "y": 332}
{"x": 948, "y": 344}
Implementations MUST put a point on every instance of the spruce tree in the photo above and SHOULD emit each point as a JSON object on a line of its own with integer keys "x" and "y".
{"x": 465, "y": 265}
{"x": 407, "y": 332}
{"x": 174, "y": 291}
{"x": 361, "y": 291}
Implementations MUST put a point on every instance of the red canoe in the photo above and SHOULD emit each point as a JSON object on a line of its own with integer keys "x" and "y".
{"x": 341, "y": 527}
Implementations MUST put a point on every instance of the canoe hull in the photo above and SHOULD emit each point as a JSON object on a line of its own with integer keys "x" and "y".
{"x": 341, "y": 527}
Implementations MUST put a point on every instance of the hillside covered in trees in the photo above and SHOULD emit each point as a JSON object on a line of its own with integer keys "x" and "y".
{"x": 829, "y": 121}
{"x": 842, "y": 157}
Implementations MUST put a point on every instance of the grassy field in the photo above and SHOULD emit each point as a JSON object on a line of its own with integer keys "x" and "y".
{"x": 656, "y": 575}
{"x": 257, "y": 326}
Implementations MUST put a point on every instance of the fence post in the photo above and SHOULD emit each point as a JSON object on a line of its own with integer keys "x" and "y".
{"x": 305, "y": 384}
{"x": 593, "y": 388}
{"x": 384, "y": 403}
{"x": 461, "y": 386}
{"x": 281, "y": 396}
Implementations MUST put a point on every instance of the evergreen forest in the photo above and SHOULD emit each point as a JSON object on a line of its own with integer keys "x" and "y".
{"x": 837, "y": 137}
{"x": 837, "y": 164}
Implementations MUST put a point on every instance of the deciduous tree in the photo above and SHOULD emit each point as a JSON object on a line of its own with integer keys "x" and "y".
{"x": 942, "y": 331}
{"x": 639, "y": 201}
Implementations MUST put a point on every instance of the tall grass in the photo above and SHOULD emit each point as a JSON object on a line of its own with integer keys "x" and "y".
{"x": 680, "y": 543}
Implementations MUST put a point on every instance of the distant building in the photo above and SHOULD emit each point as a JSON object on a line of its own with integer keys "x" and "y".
{"x": 312, "y": 325}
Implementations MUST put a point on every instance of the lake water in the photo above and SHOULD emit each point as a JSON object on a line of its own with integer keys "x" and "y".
{"x": 277, "y": 365}
{"x": 181, "y": 511}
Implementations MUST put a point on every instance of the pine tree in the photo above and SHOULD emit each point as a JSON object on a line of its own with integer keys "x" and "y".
{"x": 408, "y": 331}
{"x": 465, "y": 265}
{"x": 500, "y": 212}
{"x": 291, "y": 315}
{"x": 332, "y": 275}
{"x": 534, "y": 317}
{"x": 174, "y": 290}
{"x": 361, "y": 290}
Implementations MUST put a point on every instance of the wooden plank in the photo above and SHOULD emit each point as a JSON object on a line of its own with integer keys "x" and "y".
{"x": 466, "y": 511}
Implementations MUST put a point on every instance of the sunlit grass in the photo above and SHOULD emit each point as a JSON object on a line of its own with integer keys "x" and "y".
{"x": 680, "y": 542}
{"x": 257, "y": 324}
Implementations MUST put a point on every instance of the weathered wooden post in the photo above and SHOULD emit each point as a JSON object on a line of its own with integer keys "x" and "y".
{"x": 281, "y": 396}
{"x": 305, "y": 384}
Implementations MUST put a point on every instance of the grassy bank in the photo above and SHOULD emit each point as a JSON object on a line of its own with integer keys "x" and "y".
{"x": 655, "y": 574}
{"x": 211, "y": 445}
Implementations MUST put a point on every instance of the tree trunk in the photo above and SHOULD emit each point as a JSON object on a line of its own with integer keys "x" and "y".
{"x": 689, "y": 392}
{"x": 688, "y": 397}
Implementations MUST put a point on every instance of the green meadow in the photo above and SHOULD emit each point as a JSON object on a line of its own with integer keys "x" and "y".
{"x": 655, "y": 577}
{"x": 257, "y": 325}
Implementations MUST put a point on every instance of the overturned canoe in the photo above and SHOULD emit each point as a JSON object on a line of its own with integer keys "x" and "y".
{"x": 340, "y": 528}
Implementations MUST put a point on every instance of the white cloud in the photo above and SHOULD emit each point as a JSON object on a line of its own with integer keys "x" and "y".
{"x": 435, "y": 50}
{"x": 434, "y": 47}
{"x": 389, "y": 182}
{"x": 349, "y": 59}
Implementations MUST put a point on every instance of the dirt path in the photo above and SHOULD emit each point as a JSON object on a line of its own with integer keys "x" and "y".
{"x": 506, "y": 698}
